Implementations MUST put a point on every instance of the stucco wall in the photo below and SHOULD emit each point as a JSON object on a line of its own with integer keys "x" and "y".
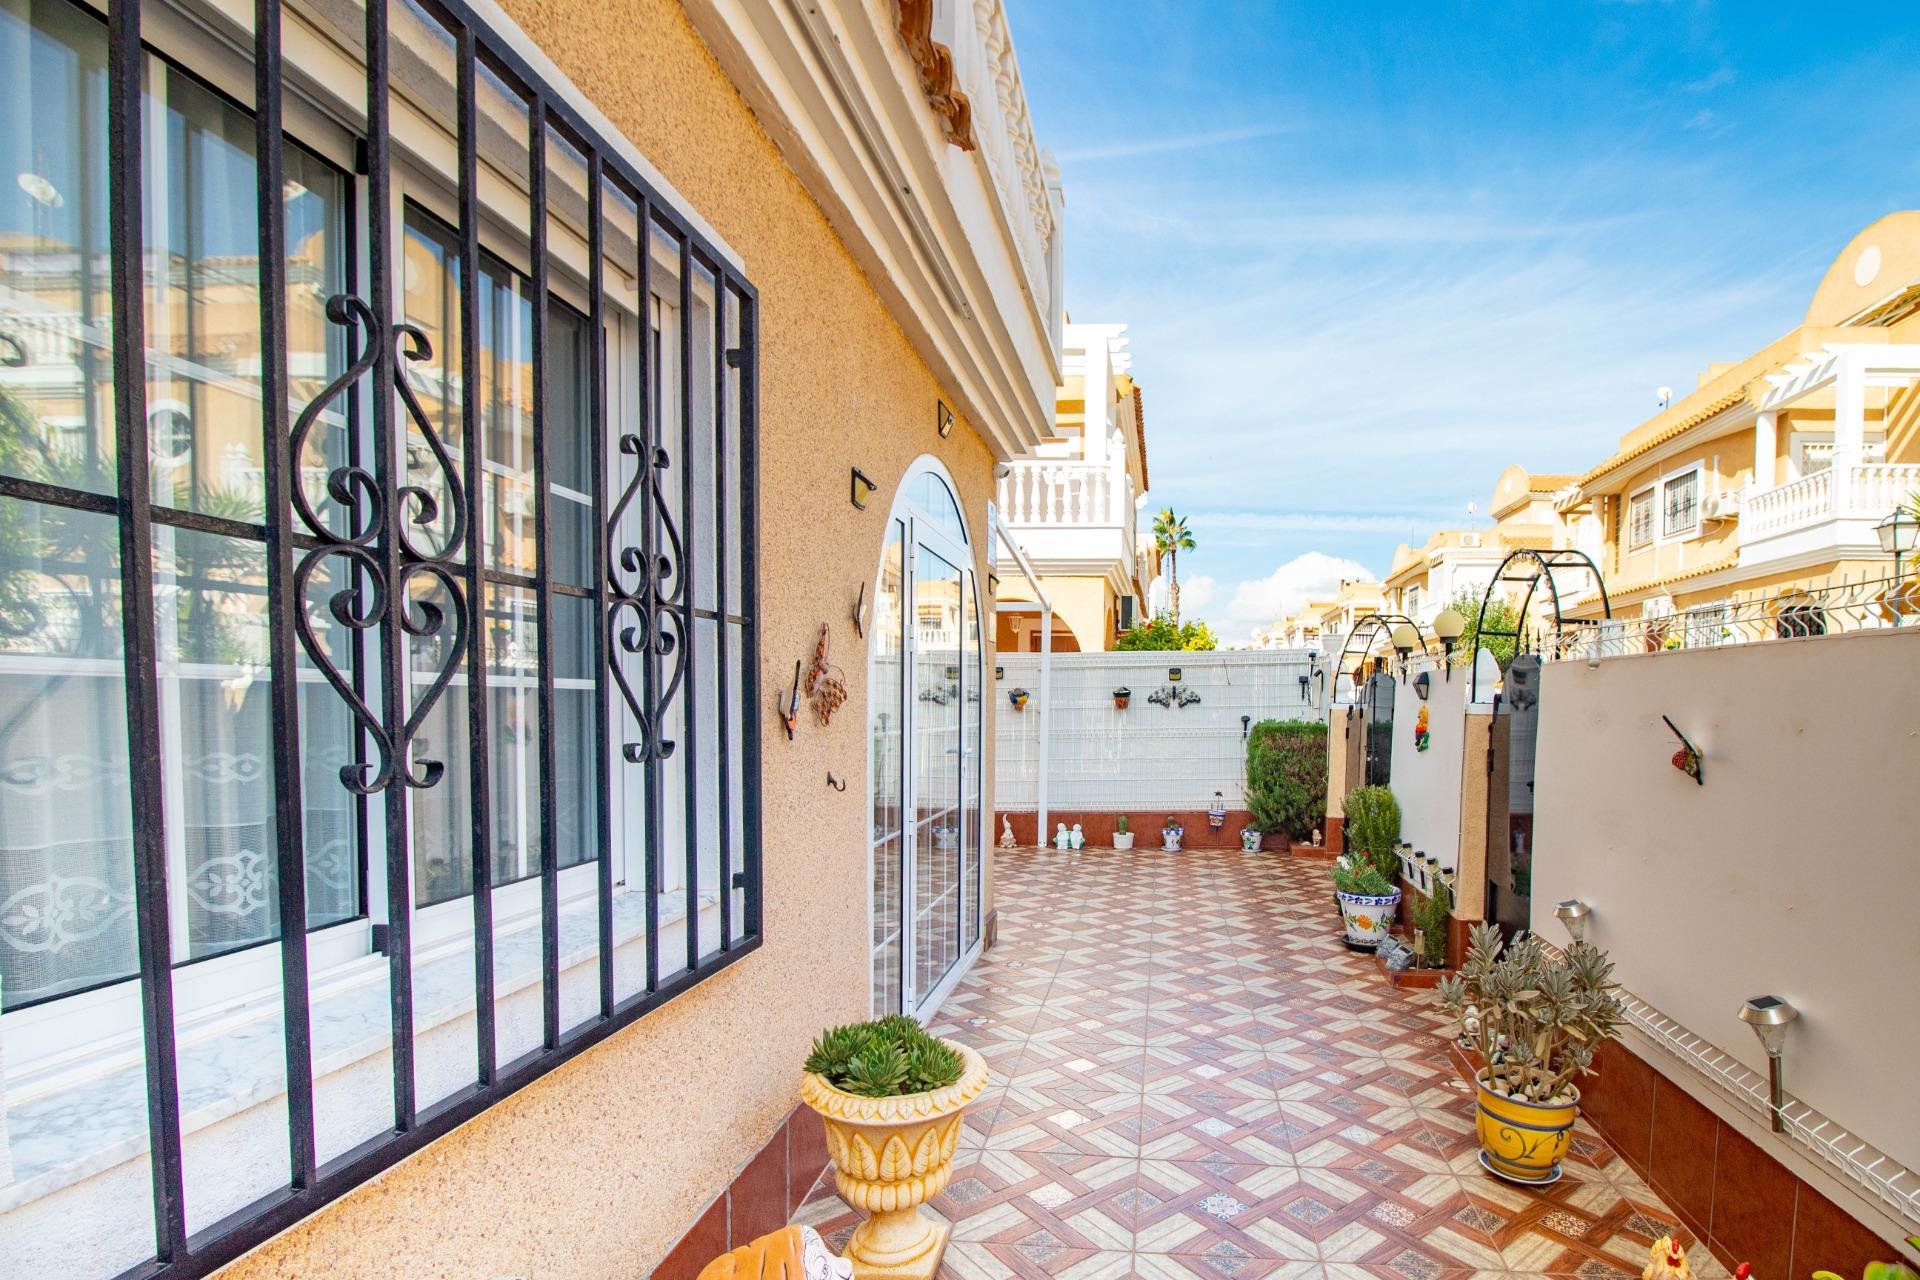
{"x": 1427, "y": 783}
{"x": 597, "y": 1169}
{"x": 1791, "y": 871}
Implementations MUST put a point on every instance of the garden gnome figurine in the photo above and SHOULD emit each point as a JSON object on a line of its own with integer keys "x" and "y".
{"x": 1006, "y": 833}
{"x": 1666, "y": 1261}
{"x": 1061, "y": 840}
{"x": 1078, "y": 840}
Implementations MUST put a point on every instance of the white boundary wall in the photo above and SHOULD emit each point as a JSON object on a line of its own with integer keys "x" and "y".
{"x": 1148, "y": 756}
{"x": 1428, "y": 783}
{"x": 1791, "y": 872}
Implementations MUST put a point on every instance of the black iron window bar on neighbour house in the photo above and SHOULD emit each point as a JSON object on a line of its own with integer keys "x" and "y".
{"x": 389, "y": 567}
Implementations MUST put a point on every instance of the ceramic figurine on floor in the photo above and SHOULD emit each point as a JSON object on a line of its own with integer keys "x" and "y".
{"x": 1061, "y": 840}
{"x": 1006, "y": 833}
{"x": 1666, "y": 1261}
{"x": 1078, "y": 840}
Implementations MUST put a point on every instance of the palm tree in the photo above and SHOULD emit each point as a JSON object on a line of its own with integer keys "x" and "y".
{"x": 1170, "y": 538}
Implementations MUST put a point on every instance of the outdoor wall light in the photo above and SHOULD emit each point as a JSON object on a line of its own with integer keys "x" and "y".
{"x": 1173, "y": 674}
{"x": 863, "y": 488}
{"x": 1573, "y": 914}
{"x": 1246, "y": 724}
{"x": 1405, "y": 638}
{"x": 1422, "y": 683}
{"x": 1769, "y": 1016}
{"x": 943, "y": 419}
{"x": 1899, "y": 533}
{"x": 1449, "y": 626}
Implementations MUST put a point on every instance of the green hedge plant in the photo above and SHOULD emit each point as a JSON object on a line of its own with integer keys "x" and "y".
{"x": 889, "y": 1058}
{"x": 1287, "y": 776}
{"x": 1361, "y": 878}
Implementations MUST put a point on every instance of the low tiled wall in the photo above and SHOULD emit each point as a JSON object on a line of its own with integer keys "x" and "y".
{"x": 1728, "y": 1191}
{"x": 1097, "y": 825}
{"x": 762, "y": 1197}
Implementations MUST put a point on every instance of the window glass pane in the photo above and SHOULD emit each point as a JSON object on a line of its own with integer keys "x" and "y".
{"x": 56, "y": 337}
{"x": 216, "y": 740}
{"x": 569, "y": 445}
{"x": 430, "y": 302}
{"x": 506, "y": 419}
{"x": 512, "y": 636}
{"x": 442, "y": 814}
{"x": 66, "y": 843}
{"x": 329, "y": 742}
{"x": 576, "y": 753}
{"x": 933, "y": 496}
{"x": 1682, "y": 499}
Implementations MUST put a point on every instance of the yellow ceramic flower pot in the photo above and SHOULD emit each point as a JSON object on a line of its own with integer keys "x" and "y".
{"x": 890, "y": 1156}
{"x": 1523, "y": 1141}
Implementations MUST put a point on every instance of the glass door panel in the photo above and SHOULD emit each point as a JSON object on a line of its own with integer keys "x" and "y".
{"x": 937, "y": 831}
{"x": 887, "y": 754}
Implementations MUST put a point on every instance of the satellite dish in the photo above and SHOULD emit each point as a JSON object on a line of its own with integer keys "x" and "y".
{"x": 1666, "y": 396}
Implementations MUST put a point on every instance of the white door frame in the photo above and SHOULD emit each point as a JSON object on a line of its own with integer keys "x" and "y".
{"x": 920, "y": 529}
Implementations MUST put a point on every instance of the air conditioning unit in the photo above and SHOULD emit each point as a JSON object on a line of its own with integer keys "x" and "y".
{"x": 1469, "y": 539}
{"x": 1724, "y": 505}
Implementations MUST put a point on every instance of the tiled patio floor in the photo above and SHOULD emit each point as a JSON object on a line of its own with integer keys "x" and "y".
{"x": 1193, "y": 1078}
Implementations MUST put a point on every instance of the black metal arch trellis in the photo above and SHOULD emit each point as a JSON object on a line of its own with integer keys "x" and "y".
{"x": 1375, "y": 624}
{"x": 1543, "y": 563}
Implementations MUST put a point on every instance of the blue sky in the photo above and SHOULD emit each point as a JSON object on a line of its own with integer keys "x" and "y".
{"x": 1371, "y": 254}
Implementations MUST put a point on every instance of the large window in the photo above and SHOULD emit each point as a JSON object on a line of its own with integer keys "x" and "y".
{"x": 382, "y": 562}
{"x": 1680, "y": 504}
{"x": 1640, "y": 519}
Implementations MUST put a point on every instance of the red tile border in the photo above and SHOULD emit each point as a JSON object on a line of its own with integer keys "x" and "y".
{"x": 761, "y": 1198}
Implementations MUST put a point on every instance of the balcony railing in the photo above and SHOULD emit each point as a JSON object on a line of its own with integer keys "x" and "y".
{"x": 1872, "y": 490}
{"x": 1070, "y": 495}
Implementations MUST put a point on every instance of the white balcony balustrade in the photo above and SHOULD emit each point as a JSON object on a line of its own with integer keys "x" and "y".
{"x": 1824, "y": 511}
{"x": 1071, "y": 516}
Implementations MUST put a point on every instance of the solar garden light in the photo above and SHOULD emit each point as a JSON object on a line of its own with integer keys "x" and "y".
{"x": 1448, "y": 627}
{"x": 1573, "y": 914}
{"x": 1769, "y": 1016}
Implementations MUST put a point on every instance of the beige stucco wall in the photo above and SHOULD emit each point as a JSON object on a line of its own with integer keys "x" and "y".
{"x": 1789, "y": 872}
{"x": 1084, "y": 605}
{"x": 597, "y": 1169}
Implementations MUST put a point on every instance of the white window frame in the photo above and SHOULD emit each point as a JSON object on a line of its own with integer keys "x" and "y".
{"x": 1635, "y": 543}
{"x": 1698, "y": 472}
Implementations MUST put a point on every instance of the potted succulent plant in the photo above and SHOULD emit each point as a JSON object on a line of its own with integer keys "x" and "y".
{"x": 1367, "y": 901}
{"x": 1171, "y": 833}
{"x": 1536, "y": 1020}
{"x": 1121, "y": 697}
{"x": 1122, "y": 837}
{"x": 891, "y": 1097}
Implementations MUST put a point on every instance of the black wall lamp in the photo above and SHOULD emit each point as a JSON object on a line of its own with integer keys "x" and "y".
{"x": 1246, "y": 723}
{"x": 942, "y": 419}
{"x": 863, "y": 488}
{"x": 1173, "y": 674}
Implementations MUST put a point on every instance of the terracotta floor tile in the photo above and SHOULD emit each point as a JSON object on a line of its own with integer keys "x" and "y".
{"x": 1220, "y": 1089}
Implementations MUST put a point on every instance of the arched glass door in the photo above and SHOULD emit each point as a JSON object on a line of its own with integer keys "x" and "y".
{"x": 925, "y": 739}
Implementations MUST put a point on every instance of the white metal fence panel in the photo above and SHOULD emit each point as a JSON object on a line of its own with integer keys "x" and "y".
{"x": 1148, "y": 756}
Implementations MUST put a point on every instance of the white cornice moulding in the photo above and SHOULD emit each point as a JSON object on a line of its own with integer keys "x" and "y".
{"x": 838, "y": 95}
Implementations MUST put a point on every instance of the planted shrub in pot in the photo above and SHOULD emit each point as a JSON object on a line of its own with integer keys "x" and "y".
{"x": 1367, "y": 901}
{"x": 1536, "y": 1021}
{"x": 1171, "y": 834}
{"x": 891, "y": 1097}
{"x": 1122, "y": 837}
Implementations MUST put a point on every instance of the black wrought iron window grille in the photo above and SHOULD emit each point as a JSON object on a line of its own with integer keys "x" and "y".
{"x": 377, "y": 551}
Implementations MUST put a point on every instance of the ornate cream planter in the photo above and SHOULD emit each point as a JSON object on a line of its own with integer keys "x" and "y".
{"x": 890, "y": 1156}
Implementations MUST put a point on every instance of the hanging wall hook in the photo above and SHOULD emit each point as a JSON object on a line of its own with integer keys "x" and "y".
{"x": 836, "y": 783}
{"x": 860, "y": 613}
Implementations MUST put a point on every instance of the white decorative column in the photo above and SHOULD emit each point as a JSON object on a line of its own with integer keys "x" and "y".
{"x": 1849, "y": 428}
{"x": 1766, "y": 447}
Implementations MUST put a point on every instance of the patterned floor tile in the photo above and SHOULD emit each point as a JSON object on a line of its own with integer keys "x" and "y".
{"x": 1219, "y": 1089}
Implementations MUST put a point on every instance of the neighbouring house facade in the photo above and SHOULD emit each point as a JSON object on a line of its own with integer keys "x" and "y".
{"x": 1773, "y": 474}
{"x": 1071, "y": 506}
{"x": 1298, "y": 630}
{"x": 426, "y": 444}
{"x": 1526, "y": 516}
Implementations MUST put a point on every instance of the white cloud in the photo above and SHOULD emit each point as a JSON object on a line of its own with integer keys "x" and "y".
{"x": 1197, "y": 593}
{"x": 1258, "y": 602}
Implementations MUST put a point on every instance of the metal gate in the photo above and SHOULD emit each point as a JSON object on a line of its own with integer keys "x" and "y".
{"x": 1379, "y": 742}
{"x": 1510, "y": 825}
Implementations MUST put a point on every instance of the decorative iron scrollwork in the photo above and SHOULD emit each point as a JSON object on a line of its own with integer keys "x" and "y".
{"x": 377, "y": 582}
